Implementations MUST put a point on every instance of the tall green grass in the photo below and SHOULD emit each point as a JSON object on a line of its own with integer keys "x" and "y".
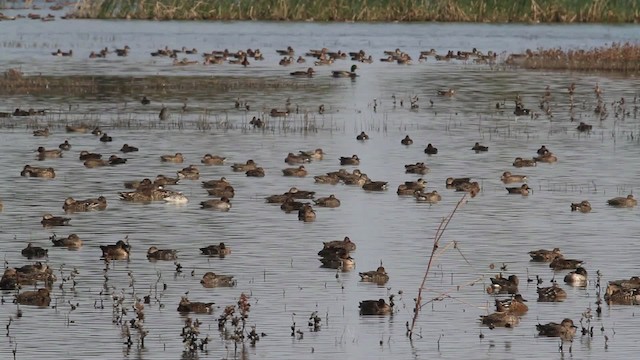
{"x": 563, "y": 11}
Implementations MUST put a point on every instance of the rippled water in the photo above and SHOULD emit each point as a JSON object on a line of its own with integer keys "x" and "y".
{"x": 273, "y": 254}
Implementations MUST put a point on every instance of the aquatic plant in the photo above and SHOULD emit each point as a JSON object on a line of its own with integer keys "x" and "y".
{"x": 556, "y": 11}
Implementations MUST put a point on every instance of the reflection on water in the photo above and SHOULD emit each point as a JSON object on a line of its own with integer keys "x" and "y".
{"x": 273, "y": 254}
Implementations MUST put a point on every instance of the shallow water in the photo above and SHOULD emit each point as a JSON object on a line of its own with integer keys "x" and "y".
{"x": 273, "y": 254}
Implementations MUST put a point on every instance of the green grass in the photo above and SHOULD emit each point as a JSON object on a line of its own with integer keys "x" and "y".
{"x": 561, "y": 11}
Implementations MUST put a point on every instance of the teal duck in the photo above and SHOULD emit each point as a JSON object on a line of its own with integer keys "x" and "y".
{"x": 191, "y": 172}
{"x": 375, "y": 185}
{"x": 552, "y": 293}
{"x": 296, "y": 172}
{"x": 623, "y": 292}
{"x": 80, "y": 128}
{"x": 418, "y": 168}
{"x": 65, "y": 146}
{"x": 290, "y": 204}
{"x": 452, "y": 183}
{"x": 316, "y": 154}
{"x": 257, "y": 172}
{"x": 50, "y": 220}
{"x": 515, "y": 305}
{"x": 94, "y": 163}
{"x": 216, "y": 250}
{"x": 547, "y": 157}
{"x": 85, "y": 155}
{"x": 473, "y": 188}
{"x": 306, "y": 213}
{"x": 544, "y": 255}
{"x": 560, "y": 263}
{"x": 211, "y": 184}
{"x": 331, "y": 201}
{"x": 161, "y": 254}
{"x": 209, "y": 159}
{"x": 72, "y": 205}
{"x": 378, "y": 276}
{"x": 447, "y": 92}
{"x": 33, "y": 171}
{"x": 339, "y": 260}
{"x": 72, "y": 241}
{"x": 119, "y": 251}
{"x": 176, "y": 197}
{"x": 508, "y": 178}
{"x": 41, "y": 132}
{"x": 521, "y": 190}
{"x": 479, "y": 148}
{"x": 227, "y": 191}
{"x": 296, "y": 159}
{"x": 177, "y": 158}
{"x": 566, "y": 330}
{"x": 352, "y": 160}
{"x": 106, "y": 138}
{"x": 520, "y": 162}
{"x": 308, "y": 73}
{"x": 162, "y": 180}
{"x": 623, "y": 202}
{"x": 222, "y": 204}
{"x": 126, "y": 148}
{"x": 326, "y": 179}
{"x": 332, "y": 247}
{"x": 48, "y": 154}
{"x": 584, "y": 206}
{"x": 500, "y": 319}
{"x": 240, "y": 167}
{"x": 40, "y": 297}
{"x": 278, "y": 113}
{"x": 429, "y": 197}
{"x": 187, "y": 306}
{"x": 502, "y": 285}
{"x": 375, "y": 307}
{"x": 31, "y": 252}
{"x": 212, "y": 280}
{"x": 578, "y": 277}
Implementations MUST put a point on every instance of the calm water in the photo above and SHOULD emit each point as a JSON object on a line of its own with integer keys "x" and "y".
{"x": 273, "y": 254}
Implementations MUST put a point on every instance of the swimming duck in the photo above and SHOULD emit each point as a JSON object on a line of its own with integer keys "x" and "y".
{"x": 577, "y": 277}
{"x": 119, "y": 251}
{"x": 72, "y": 241}
{"x": 96, "y": 131}
{"x": 41, "y": 132}
{"x": 212, "y": 280}
{"x": 176, "y": 198}
{"x": 520, "y": 162}
{"x": 566, "y": 330}
{"x": 478, "y": 148}
{"x": 126, "y": 148}
{"x": 515, "y": 305}
{"x": 209, "y": 159}
{"x": 331, "y": 201}
{"x": 71, "y": 205}
{"x": 353, "y": 160}
{"x": 257, "y": 172}
{"x": 34, "y": 251}
{"x": 153, "y": 193}
{"x": 547, "y": 157}
{"x": 186, "y": 306}
{"x": 65, "y": 146}
{"x": 249, "y": 165}
{"x": 116, "y": 160}
{"x": 308, "y": 73}
{"x": 508, "y": 178}
{"x": 362, "y": 136}
{"x": 38, "y": 297}
{"x": 31, "y": 171}
{"x": 85, "y": 155}
{"x": 227, "y": 191}
{"x": 177, "y": 158}
{"x": 584, "y": 127}
{"x": 417, "y": 168}
{"x": 296, "y": 159}
{"x": 93, "y": 163}
{"x": 430, "y": 150}
{"x": 379, "y": 276}
{"x": 222, "y": 204}
{"x": 500, "y": 319}
{"x": 296, "y": 193}
{"x": 551, "y": 294}
{"x": 221, "y": 183}
{"x": 375, "y": 307}
{"x": 430, "y": 197}
{"x": 448, "y": 92}
{"x": 138, "y": 184}
{"x": 522, "y": 190}
{"x": 106, "y": 138}
{"x": 157, "y": 254}
{"x": 502, "y": 285}
{"x": 543, "y": 150}
{"x": 406, "y": 141}
{"x": 452, "y": 182}
{"x": 278, "y": 113}
{"x": 543, "y": 255}
{"x": 560, "y": 263}
{"x": 48, "y": 154}
{"x": 334, "y": 246}
{"x": 316, "y": 154}
{"x": 290, "y": 205}
{"x": 326, "y": 179}
{"x": 297, "y": 172}
{"x": 80, "y": 128}
{"x": 583, "y": 206}
{"x": 50, "y": 220}
{"x": 623, "y": 292}
{"x": 339, "y": 259}
{"x": 473, "y": 188}
{"x": 216, "y": 250}
{"x": 351, "y": 74}
{"x": 375, "y": 185}
{"x": 306, "y": 213}
{"x": 191, "y": 172}
{"x": 623, "y": 202}
{"x": 163, "y": 180}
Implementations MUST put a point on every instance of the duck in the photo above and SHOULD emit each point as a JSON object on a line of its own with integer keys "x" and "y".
{"x": 566, "y": 330}
{"x": 508, "y": 178}
{"x": 163, "y": 180}
{"x": 72, "y": 241}
{"x": 297, "y": 172}
{"x": 154, "y": 193}
{"x": 584, "y": 206}
{"x": 430, "y": 197}
{"x": 332, "y": 247}
{"x": 520, "y": 162}
{"x": 473, "y": 188}
{"x": 500, "y": 319}
{"x": 296, "y": 193}
{"x": 378, "y": 276}
{"x": 216, "y": 250}
{"x": 41, "y": 132}
{"x": 257, "y": 172}
{"x": 296, "y": 159}
{"x": 375, "y": 307}
{"x": 138, "y": 184}
{"x": 187, "y": 306}
{"x": 116, "y": 160}
{"x": 326, "y": 179}
{"x": 80, "y": 128}
{"x": 430, "y": 150}
{"x": 212, "y": 280}
{"x": 452, "y": 182}
{"x": 227, "y": 191}
{"x": 50, "y": 220}
{"x": 161, "y": 254}
{"x": 552, "y": 293}
{"x": 48, "y": 154}
{"x": 177, "y": 158}
{"x": 72, "y": 205}
{"x": 96, "y": 131}
{"x": 515, "y": 305}
{"x": 219, "y": 183}
{"x": 222, "y": 204}
{"x": 290, "y": 205}
{"x": 522, "y": 190}
{"x": 240, "y": 167}
{"x": 339, "y": 260}
{"x": 623, "y": 202}
{"x": 479, "y": 148}
{"x": 34, "y": 251}
{"x": 85, "y": 155}
{"x": 209, "y": 159}
{"x": 362, "y": 136}
{"x": 32, "y": 171}
{"x": 191, "y": 172}
{"x": 40, "y": 297}
{"x": 308, "y": 73}
{"x": 93, "y": 163}
{"x": 278, "y": 113}
{"x": 543, "y": 150}
{"x": 65, "y": 146}
{"x": 623, "y": 292}
{"x": 106, "y": 138}
{"x": 406, "y": 141}
{"x": 176, "y": 198}
{"x": 351, "y": 73}
{"x": 547, "y": 157}
{"x": 418, "y": 168}
{"x": 306, "y": 213}
{"x": 578, "y": 277}
{"x": 560, "y": 263}
{"x": 126, "y": 148}
{"x": 119, "y": 251}
{"x": 584, "y": 127}
{"x": 288, "y": 52}
{"x": 502, "y": 285}
{"x": 145, "y": 101}
{"x": 375, "y": 185}
{"x": 543, "y": 255}
{"x": 331, "y": 201}
{"x": 317, "y": 154}
{"x": 353, "y": 160}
